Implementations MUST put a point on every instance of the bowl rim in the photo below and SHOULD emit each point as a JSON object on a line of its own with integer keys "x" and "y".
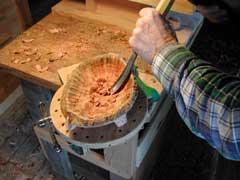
{"x": 75, "y": 120}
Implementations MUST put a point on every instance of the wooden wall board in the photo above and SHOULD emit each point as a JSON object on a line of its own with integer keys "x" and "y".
{"x": 11, "y": 25}
{"x": 182, "y": 6}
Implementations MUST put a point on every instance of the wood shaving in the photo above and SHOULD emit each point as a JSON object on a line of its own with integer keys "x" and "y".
{"x": 38, "y": 57}
{"x": 50, "y": 52}
{"x": 41, "y": 69}
{"x": 58, "y": 57}
{"x": 25, "y": 48}
{"x": 52, "y": 59}
{"x": 30, "y": 53}
{"x": 16, "y": 52}
{"x": 26, "y": 61}
{"x": 15, "y": 61}
{"x": 56, "y": 30}
{"x": 27, "y": 40}
{"x": 61, "y": 54}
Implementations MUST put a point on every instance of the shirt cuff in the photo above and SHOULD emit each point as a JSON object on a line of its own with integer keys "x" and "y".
{"x": 166, "y": 64}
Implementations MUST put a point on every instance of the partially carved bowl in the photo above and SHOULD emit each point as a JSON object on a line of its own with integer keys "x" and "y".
{"x": 87, "y": 99}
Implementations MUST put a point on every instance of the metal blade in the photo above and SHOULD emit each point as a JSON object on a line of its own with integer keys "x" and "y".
{"x": 125, "y": 74}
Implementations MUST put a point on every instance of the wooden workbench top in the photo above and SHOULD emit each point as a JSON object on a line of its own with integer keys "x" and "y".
{"x": 58, "y": 41}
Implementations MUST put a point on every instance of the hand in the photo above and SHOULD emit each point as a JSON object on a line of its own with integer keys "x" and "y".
{"x": 151, "y": 35}
{"x": 214, "y": 13}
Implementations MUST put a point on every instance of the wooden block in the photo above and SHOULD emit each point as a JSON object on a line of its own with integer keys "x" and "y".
{"x": 120, "y": 13}
{"x": 182, "y": 6}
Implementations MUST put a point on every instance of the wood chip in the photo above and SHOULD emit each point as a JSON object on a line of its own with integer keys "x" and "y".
{"x": 58, "y": 57}
{"x": 41, "y": 69}
{"x": 30, "y": 53}
{"x": 26, "y": 61}
{"x": 16, "y": 52}
{"x": 50, "y": 52}
{"x": 62, "y": 54}
{"x": 27, "y": 40}
{"x": 56, "y": 30}
{"x": 15, "y": 61}
{"x": 25, "y": 48}
{"x": 38, "y": 56}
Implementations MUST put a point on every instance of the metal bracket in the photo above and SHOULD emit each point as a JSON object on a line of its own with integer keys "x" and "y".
{"x": 46, "y": 121}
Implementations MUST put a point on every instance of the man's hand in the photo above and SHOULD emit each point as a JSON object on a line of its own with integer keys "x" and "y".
{"x": 151, "y": 35}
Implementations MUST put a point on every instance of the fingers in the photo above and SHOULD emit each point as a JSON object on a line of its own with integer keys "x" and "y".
{"x": 140, "y": 22}
{"x": 135, "y": 43}
{"x": 136, "y": 37}
{"x": 147, "y": 12}
{"x": 137, "y": 31}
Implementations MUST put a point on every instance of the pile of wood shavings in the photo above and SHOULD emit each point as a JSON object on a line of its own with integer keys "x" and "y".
{"x": 101, "y": 95}
{"x": 26, "y": 54}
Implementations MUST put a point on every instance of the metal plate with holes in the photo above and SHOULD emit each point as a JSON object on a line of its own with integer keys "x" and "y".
{"x": 104, "y": 136}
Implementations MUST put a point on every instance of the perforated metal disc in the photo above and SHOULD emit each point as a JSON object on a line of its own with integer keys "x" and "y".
{"x": 104, "y": 136}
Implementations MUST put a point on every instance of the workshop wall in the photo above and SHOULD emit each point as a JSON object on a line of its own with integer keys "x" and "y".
{"x": 15, "y": 17}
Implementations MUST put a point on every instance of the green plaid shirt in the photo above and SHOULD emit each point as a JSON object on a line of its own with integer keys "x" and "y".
{"x": 207, "y": 99}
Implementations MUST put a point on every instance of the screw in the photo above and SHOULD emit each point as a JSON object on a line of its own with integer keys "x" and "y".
{"x": 57, "y": 148}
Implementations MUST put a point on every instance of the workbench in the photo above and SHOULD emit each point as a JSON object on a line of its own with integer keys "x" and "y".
{"x": 75, "y": 32}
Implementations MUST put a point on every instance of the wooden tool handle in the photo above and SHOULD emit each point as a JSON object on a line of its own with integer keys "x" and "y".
{"x": 164, "y": 6}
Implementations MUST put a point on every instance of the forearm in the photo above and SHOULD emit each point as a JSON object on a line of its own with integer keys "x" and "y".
{"x": 207, "y": 100}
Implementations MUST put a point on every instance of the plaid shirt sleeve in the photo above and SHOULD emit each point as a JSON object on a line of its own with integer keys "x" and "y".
{"x": 207, "y": 99}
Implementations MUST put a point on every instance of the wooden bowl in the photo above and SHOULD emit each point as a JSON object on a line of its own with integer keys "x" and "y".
{"x": 87, "y": 99}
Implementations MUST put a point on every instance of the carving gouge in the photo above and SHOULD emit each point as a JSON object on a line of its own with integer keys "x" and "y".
{"x": 162, "y": 8}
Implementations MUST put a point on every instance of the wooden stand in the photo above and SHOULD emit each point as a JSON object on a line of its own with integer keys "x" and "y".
{"x": 126, "y": 160}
